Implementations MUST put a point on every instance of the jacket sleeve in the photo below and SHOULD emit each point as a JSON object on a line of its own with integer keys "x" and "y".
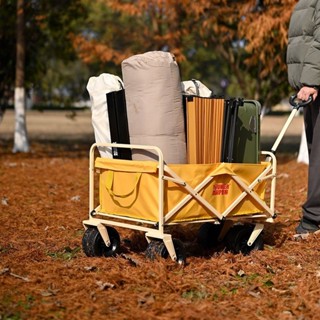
{"x": 311, "y": 69}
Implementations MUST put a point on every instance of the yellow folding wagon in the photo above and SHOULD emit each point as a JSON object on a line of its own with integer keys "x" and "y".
{"x": 230, "y": 200}
{"x": 150, "y": 195}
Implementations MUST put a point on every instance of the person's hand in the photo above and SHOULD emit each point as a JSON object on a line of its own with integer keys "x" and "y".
{"x": 305, "y": 92}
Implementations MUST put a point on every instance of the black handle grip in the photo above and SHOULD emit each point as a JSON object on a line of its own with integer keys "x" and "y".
{"x": 300, "y": 103}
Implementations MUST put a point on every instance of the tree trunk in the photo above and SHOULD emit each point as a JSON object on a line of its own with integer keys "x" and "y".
{"x": 1, "y": 113}
{"x": 21, "y": 143}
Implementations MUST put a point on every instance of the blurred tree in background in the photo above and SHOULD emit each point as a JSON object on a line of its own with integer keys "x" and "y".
{"x": 48, "y": 25}
{"x": 236, "y": 48}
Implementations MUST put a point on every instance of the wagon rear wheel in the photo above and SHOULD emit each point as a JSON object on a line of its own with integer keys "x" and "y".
{"x": 94, "y": 246}
{"x": 208, "y": 235}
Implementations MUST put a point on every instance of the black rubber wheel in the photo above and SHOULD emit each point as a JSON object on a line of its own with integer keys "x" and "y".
{"x": 237, "y": 238}
{"x": 180, "y": 251}
{"x": 94, "y": 246}
{"x": 208, "y": 235}
{"x": 157, "y": 248}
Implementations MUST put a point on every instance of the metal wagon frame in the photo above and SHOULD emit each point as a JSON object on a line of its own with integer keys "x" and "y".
{"x": 156, "y": 230}
{"x": 101, "y": 238}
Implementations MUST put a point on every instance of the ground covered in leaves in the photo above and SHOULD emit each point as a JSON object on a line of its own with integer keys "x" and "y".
{"x": 44, "y": 273}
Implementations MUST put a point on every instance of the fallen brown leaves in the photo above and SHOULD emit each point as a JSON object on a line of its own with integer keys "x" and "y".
{"x": 45, "y": 275}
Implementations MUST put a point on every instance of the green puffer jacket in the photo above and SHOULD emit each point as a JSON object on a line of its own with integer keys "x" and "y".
{"x": 303, "y": 52}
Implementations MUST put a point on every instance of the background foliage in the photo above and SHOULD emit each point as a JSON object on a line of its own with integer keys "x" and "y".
{"x": 236, "y": 48}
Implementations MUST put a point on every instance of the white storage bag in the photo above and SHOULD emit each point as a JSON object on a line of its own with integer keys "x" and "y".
{"x": 98, "y": 87}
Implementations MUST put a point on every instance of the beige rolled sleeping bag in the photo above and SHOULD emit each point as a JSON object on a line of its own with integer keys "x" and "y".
{"x": 154, "y": 105}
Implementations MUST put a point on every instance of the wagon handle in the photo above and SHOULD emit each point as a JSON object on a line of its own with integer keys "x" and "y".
{"x": 297, "y": 103}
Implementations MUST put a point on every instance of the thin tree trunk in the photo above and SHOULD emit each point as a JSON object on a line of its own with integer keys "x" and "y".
{"x": 21, "y": 143}
{"x": 1, "y": 113}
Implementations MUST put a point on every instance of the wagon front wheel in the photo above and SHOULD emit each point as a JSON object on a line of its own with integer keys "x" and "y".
{"x": 157, "y": 248}
{"x": 237, "y": 238}
{"x": 94, "y": 246}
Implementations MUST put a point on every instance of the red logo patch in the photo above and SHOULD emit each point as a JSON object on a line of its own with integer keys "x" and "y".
{"x": 221, "y": 189}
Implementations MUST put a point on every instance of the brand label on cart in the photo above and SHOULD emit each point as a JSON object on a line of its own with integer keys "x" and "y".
{"x": 221, "y": 189}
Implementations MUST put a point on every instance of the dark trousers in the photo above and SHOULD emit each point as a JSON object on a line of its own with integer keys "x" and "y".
{"x": 311, "y": 208}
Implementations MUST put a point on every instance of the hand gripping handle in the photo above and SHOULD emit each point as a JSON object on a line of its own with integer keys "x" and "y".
{"x": 297, "y": 103}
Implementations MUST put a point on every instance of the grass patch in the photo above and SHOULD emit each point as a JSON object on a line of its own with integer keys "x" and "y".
{"x": 66, "y": 253}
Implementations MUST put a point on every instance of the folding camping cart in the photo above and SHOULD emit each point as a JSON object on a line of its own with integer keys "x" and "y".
{"x": 149, "y": 196}
{"x": 231, "y": 201}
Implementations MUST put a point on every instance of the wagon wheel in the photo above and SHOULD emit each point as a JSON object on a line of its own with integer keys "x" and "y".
{"x": 237, "y": 238}
{"x": 208, "y": 235}
{"x": 94, "y": 246}
{"x": 157, "y": 248}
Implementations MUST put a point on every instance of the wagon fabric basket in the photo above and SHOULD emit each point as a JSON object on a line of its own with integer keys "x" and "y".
{"x": 191, "y": 192}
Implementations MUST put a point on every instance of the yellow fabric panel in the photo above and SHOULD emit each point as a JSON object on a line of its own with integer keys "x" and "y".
{"x": 221, "y": 192}
{"x": 141, "y": 201}
{"x": 130, "y": 188}
{"x": 125, "y": 165}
